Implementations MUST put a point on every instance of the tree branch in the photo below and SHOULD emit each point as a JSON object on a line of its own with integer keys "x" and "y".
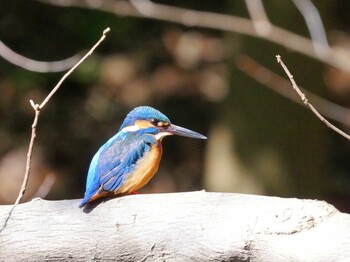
{"x": 313, "y": 22}
{"x": 54, "y": 90}
{"x": 37, "y": 108}
{"x": 193, "y": 226}
{"x": 34, "y": 65}
{"x": 224, "y": 22}
{"x": 280, "y": 85}
{"x": 306, "y": 101}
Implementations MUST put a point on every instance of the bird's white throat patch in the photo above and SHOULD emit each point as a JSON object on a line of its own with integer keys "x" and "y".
{"x": 160, "y": 135}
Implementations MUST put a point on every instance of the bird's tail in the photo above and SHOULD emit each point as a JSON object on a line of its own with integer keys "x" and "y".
{"x": 84, "y": 201}
{"x": 89, "y": 197}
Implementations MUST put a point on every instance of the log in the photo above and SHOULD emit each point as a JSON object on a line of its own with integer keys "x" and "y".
{"x": 193, "y": 226}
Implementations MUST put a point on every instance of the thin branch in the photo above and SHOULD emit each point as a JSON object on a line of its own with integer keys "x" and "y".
{"x": 280, "y": 85}
{"x": 306, "y": 102}
{"x": 73, "y": 68}
{"x": 37, "y": 108}
{"x": 29, "y": 154}
{"x": 224, "y": 22}
{"x": 36, "y": 66}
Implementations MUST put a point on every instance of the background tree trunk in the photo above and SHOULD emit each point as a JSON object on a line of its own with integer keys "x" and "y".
{"x": 195, "y": 226}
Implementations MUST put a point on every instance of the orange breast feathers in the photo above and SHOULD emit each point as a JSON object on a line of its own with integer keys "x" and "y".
{"x": 144, "y": 171}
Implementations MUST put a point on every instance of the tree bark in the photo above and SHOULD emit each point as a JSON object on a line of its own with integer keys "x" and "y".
{"x": 194, "y": 226}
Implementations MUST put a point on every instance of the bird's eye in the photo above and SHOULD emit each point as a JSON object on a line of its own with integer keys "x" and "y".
{"x": 154, "y": 121}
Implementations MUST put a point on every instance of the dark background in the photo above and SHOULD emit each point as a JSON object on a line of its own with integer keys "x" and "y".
{"x": 258, "y": 141}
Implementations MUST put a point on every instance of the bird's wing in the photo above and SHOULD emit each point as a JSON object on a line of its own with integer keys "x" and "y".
{"x": 114, "y": 162}
{"x": 124, "y": 154}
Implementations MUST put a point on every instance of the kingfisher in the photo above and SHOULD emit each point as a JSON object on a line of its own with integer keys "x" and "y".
{"x": 129, "y": 159}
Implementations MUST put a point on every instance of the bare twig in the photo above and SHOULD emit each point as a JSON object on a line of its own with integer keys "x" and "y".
{"x": 29, "y": 154}
{"x": 34, "y": 65}
{"x": 306, "y": 102}
{"x": 280, "y": 85}
{"x": 37, "y": 108}
{"x": 224, "y": 22}
{"x": 73, "y": 68}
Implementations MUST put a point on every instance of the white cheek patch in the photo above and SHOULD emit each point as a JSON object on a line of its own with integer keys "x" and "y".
{"x": 160, "y": 135}
{"x": 131, "y": 128}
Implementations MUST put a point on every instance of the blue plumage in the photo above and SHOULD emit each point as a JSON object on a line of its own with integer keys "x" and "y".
{"x": 114, "y": 161}
{"x": 143, "y": 113}
{"x": 130, "y": 158}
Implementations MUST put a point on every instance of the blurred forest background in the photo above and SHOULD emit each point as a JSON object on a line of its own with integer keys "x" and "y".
{"x": 214, "y": 79}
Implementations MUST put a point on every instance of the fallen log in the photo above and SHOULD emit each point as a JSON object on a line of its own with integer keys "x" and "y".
{"x": 193, "y": 226}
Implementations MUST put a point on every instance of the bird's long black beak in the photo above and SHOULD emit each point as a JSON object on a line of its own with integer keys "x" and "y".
{"x": 181, "y": 131}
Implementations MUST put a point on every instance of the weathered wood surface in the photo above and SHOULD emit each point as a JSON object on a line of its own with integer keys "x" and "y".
{"x": 194, "y": 226}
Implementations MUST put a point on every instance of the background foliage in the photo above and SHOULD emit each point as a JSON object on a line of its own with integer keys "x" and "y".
{"x": 259, "y": 142}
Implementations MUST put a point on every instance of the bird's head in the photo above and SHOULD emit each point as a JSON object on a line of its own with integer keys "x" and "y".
{"x": 147, "y": 120}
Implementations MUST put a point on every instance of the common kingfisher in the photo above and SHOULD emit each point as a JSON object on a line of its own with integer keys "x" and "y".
{"x": 128, "y": 160}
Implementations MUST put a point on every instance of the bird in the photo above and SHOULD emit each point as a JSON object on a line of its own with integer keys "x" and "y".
{"x": 129, "y": 159}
